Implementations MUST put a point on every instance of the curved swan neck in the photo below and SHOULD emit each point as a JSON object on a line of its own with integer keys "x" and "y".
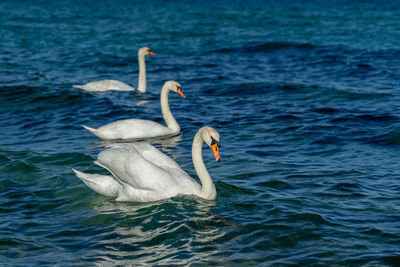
{"x": 208, "y": 190}
{"x": 142, "y": 74}
{"x": 166, "y": 112}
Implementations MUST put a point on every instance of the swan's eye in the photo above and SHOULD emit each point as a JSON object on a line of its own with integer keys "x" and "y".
{"x": 214, "y": 142}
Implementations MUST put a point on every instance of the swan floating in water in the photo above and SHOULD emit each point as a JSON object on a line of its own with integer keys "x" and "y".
{"x": 142, "y": 173}
{"x": 141, "y": 129}
{"x": 108, "y": 85}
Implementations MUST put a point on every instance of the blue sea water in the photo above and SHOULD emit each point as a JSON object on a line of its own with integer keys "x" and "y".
{"x": 305, "y": 96}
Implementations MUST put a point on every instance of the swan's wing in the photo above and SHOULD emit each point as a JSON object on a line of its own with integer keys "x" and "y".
{"x": 130, "y": 167}
{"x": 155, "y": 156}
{"x": 102, "y": 184}
{"x": 132, "y": 129}
{"x": 152, "y": 154}
{"x": 106, "y": 85}
{"x": 181, "y": 179}
{"x": 117, "y": 85}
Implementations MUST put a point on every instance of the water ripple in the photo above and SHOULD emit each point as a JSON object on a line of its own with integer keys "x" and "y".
{"x": 304, "y": 96}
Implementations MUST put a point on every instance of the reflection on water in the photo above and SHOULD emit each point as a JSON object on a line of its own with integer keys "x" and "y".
{"x": 165, "y": 142}
{"x": 305, "y": 97}
{"x": 162, "y": 232}
{"x": 142, "y": 102}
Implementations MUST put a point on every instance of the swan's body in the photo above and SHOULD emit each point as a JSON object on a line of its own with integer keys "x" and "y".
{"x": 140, "y": 129}
{"x": 141, "y": 173}
{"x": 108, "y": 85}
{"x": 105, "y": 85}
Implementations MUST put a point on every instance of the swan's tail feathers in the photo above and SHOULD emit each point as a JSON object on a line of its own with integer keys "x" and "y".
{"x": 81, "y": 175}
{"x": 90, "y": 129}
{"x": 83, "y": 87}
{"x": 101, "y": 184}
{"x": 98, "y": 163}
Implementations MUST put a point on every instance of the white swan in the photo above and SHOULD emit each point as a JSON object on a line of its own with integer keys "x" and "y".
{"x": 142, "y": 173}
{"x": 140, "y": 129}
{"x": 107, "y": 85}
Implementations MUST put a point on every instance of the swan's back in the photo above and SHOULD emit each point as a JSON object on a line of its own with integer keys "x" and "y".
{"x": 132, "y": 129}
{"x": 105, "y": 85}
{"x": 144, "y": 167}
{"x": 155, "y": 156}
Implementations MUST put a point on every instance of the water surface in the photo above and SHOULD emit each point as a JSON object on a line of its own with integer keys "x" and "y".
{"x": 305, "y": 97}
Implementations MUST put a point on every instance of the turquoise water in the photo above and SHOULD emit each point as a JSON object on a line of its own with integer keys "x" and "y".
{"x": 305, "y": 96}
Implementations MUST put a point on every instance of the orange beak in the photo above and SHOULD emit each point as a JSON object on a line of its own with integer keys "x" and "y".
{"x": 180, "y": 93}
{"x": 152, "y": 53}
{"x": 214, "y": 149}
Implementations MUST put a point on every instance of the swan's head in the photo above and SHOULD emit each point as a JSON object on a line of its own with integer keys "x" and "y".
{"x": 174, "y": 87}
{"x": 211, "y": 137}
{"x": 145, "y": 51}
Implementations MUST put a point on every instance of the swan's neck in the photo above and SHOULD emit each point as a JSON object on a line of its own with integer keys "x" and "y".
{"x": 208, "y": 188}
{"x": 166, "y": 112}
{"x": 142, "y": 74}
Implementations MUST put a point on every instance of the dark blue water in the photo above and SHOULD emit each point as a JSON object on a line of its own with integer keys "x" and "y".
{"x": 305, "y": 96}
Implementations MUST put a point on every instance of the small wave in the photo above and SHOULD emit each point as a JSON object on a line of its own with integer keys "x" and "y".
{"x": 353, "y": 95}
{"x": 61, "y": 159}
{"x": 254, "y": 47}
{"x": 276, "y": 184}
{"x": 365, "y": 118}
{"x": 256, "y": 88}
{"x": 38, "y": 98}
{"x": 259, "y": 153}
{"x": 20, "y": 167}
{"x": 374, "y": 231}
{"x": 389, "y": 138}
{"x": 326, "y": 111}
{"x": 307, "y": 216}
{"x": 287, "y": 117}
{"x": 117, "y": 61}
{"x": 227, "y": 190}
{"x": 349, "y": 188}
